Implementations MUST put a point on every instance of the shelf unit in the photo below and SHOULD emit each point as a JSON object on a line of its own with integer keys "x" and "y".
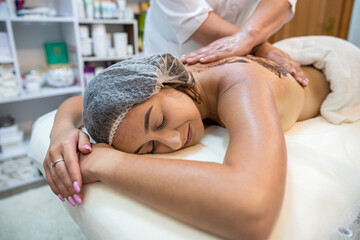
{"x": 26, "y": 38}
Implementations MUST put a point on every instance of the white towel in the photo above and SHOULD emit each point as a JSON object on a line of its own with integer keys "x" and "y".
{"x": 339, "y": 60}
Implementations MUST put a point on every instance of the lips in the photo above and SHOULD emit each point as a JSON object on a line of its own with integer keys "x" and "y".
{"x": 189, "y": 136}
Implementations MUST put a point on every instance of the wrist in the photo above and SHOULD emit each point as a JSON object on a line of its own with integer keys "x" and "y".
{"x": 261, "y": 49}
{"x": 58, "y": 130}
{"x": 251, "y": 35}
{"x": 107, "y": 165}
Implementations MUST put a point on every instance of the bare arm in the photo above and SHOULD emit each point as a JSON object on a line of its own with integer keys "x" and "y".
{"x": 239, "y": 199}
{"x": 223, "y": 39}
{"x": 66, "y": 139}
{"x": 213, "y": 29}
{"x": 68, "y": 115}
{"x": 232, "y": 40}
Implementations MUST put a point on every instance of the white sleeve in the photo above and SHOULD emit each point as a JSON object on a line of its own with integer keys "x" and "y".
{"x": 293, "y": 6}
{"x": 184, "y": 16}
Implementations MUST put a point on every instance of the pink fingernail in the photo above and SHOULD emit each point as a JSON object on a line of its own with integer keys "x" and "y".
{"x": 76, "y": 187}
{"x": 61, "y": 198}
{"x": 77, "y": 199}
{"x": 71, "y": 201}
{"x": 87, "y": 147}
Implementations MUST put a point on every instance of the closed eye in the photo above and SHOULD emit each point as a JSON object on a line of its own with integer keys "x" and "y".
{"x": 161, "y": 126}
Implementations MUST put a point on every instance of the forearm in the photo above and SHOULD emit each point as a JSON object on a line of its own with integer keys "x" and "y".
{"x": 210, "y": 31}
{"x": 268, "y": 18}
{"x": 214, "y": 197}
{"x": 68, "y": 116}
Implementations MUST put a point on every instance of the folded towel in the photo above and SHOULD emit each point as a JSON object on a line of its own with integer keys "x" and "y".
{"x": 339, "y": 60}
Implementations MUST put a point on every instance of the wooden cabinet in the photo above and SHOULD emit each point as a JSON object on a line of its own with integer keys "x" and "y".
{"x": 318, "y": 17}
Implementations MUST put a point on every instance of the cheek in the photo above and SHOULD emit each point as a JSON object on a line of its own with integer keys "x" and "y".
{"x": 198, "y": 130}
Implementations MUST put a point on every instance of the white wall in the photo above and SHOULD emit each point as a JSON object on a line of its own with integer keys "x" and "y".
{"x": 354, "y": 31}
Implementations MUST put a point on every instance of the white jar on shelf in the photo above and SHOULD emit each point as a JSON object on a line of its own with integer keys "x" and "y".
{"x": 84, "y": 31}
{"x": 100, "y": 46}
{"x": 98, "y": 30}
{"x": 8, "y": 84}
{"x": 60, "y": 77}
{"x": 86, "y": 47}
{"x": 99, "y": 40}
{"x": 121, "y": 44}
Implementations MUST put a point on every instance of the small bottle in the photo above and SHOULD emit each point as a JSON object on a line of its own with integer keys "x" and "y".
{"x": 89, "y": 9}
{"x": 97, "y": 13}
{"x": 121, "y": 5}
{"x": 81, "y": 9}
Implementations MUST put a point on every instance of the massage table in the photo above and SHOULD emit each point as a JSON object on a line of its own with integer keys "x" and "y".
{"x": 322, "y": 193}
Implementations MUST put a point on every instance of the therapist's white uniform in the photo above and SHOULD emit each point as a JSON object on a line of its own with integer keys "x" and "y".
{"x": 170, "y": 23}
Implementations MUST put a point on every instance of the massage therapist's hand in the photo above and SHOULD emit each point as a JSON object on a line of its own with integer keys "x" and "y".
{"x": 61, "y": 164}
{"x": 267, "y": 50}
{"x": 91, "y": 163}
{"x": 238, "y": 44}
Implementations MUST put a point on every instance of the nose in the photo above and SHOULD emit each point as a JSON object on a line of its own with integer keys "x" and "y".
{"x": 170, "y": 138}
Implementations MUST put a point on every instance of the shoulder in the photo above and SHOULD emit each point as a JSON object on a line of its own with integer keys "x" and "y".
{"x": 241, "y": 71}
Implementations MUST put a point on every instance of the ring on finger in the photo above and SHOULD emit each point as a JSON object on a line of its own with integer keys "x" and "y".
{"x": 52, "y": 165}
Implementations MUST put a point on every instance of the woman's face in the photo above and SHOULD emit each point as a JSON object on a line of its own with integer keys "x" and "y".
{"x": 166, "y": 122}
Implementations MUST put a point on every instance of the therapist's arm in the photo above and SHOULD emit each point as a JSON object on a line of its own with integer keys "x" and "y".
{"x": 247, "y": 39}
{"x": 225, "y": 40}
{"x": 212, "y": 29}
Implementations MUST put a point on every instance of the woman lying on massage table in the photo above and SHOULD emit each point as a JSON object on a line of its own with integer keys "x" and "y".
{"x": 157, "y": 105}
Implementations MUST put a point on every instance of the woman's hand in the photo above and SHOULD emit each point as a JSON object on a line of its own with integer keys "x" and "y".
{"x": 267, "y": 50}
{"x": 90, "y": 163}
{"x": 61, "y": 164}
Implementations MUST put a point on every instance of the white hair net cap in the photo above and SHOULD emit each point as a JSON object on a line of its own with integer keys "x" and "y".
{"x": 114, "y": 91}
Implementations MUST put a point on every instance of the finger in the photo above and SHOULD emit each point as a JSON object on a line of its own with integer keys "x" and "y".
{"x": 193, "y": 57}
{"x": 296, "y": 72}
{"x": 52, "y": 184}
{"x": 184, "y": 58}
{"x": 62, "y": 188}
{"x": 62, "y": 172}
{"x": 84, "y": 143}
{"x": 58, "y": 183}
{"x": 214, "y": 57}
{"x": 301, "y": 79}
{"x": 300, "y": 76}
{"x": 72, "y": 164}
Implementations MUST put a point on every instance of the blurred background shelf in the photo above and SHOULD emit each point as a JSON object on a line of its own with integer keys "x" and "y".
{"x": 17, "y": 153}
{"x": 42, "y": 19}
{"x": 37, "y": 179}
{"x": 25, "y": 35}
{"x": 44, "y": 93}
{"x": 7, "y": 60}
{"x": 107, "y": 21}
{"x": 102, "y": 59}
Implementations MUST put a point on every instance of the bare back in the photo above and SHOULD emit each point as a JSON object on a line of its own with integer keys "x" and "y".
{"x": 293, "y": 102}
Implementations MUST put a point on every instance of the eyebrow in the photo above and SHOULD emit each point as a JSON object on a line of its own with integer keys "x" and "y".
{"x": 146, "y": 126}
{"x": 147, "y": 116}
